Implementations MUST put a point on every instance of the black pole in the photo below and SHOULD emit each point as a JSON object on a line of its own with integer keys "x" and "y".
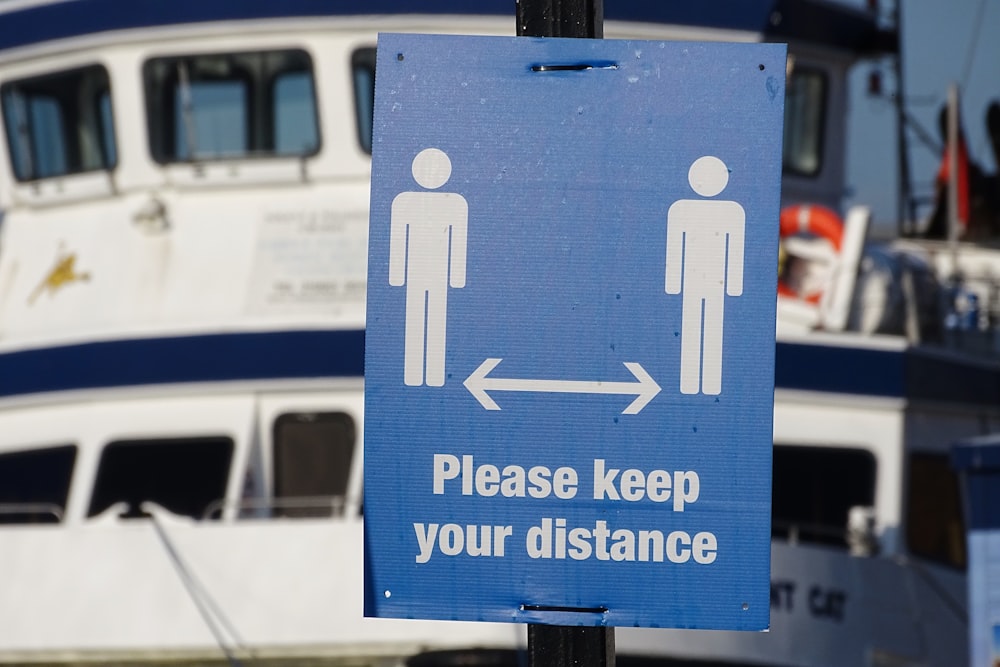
{"x": 558, "y": 645}
{"x": 560, "y": 18}
{"x": 568, "y": 646}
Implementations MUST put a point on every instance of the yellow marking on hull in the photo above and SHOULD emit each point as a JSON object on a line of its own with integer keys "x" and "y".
{"x": 62, "y": 274}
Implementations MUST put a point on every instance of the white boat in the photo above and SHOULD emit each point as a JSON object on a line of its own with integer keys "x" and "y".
{"x": 184, "y": 197}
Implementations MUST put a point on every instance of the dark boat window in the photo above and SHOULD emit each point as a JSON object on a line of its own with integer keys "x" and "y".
{"x": 363, "y": 73}
{"x": 34, "y": 484}
{"x": 183, "y": 475}
{"x": 231, "y": 105}
{"x": 805, "y": 116}
{"x": 312, "y": 463}
{"x": 814, "y": 489}
{"x": 294, "y": 109}
{"x": 620, "y": 661}
{"x": 59, "y": 124}
{"x": 934, "y": 525}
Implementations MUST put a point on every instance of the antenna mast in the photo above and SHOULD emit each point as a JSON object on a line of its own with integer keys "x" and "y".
{"x": 905, "y": 209}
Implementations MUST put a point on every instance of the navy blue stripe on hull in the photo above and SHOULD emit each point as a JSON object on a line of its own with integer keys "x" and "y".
{"x": 205, "y": 358}
{"x": 839, "y": 369}
{"x": 778, "y": 20}
{"x": 978, "y": 460}
{"x": 913, "y": 374}
{"x": 910, "y": 374}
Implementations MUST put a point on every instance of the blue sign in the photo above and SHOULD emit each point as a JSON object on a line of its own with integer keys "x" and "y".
{"x": 569, "y": 368}
{"x": 978, "y": 462}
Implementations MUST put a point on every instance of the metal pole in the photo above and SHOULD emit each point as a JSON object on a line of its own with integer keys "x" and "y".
{"x": 557, "y": 645}
{"x": 905, "y": 209}
{"x": 560, "y": 18}
{"x": 952, "y": 138}
{"x": 566, "y": 646}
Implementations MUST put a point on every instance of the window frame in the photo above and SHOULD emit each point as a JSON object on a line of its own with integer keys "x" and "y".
{"x": 363, "y": 58}
{"x": 821, "y": 121}
{"x": 72, "y": 152}
{"x": 959, "y": 559}
{"x": 822, "y": 533}
{"x": 161, "y": 96}
{"x": 97, "y": 502}
{"x": 341, "y": 417}
{"x": 33, "y": 510}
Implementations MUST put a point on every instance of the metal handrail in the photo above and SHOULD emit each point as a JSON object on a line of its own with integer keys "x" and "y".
{"x": 50, "y": 509}
{"x": 336, "y": 504}
{"x": 796, "y": 529}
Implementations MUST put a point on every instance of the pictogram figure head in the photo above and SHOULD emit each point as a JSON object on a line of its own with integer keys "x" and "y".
{"x": 431, "y": 168}
{"x": 708, "y": 176}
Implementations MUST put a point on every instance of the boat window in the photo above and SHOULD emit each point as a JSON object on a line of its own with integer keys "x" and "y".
{"x": 934, "y": 526}
{"x": 805, "y": 102}
{"x": 814, "y": 489}
{"x": 183, "y": 475}
{"x": 34, "y": 484}
{"x": 59, "y": 124}
{"x": 231, "y": 105}
{"x": 363, "y": 71}
{"x": 312, "y": 463}
{"x": 435, "y": 658}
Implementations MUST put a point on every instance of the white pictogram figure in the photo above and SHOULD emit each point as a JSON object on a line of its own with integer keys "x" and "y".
{"x": 704, "y": 259}
{"x": 427, "y": 246}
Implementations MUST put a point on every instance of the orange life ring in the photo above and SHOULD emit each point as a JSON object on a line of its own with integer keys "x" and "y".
{"x": 809, "y": 219}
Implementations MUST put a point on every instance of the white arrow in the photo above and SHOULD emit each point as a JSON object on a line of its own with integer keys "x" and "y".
{"x": 644, "y": 390}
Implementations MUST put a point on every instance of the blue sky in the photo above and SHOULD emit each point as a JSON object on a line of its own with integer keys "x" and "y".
{"x": 937, "y": 38}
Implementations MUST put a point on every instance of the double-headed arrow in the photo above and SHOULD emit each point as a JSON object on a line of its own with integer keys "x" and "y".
{"x": 644, "y": 390}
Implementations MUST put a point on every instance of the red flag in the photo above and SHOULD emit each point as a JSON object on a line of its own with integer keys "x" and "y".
{"x": 944, "y": 173}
